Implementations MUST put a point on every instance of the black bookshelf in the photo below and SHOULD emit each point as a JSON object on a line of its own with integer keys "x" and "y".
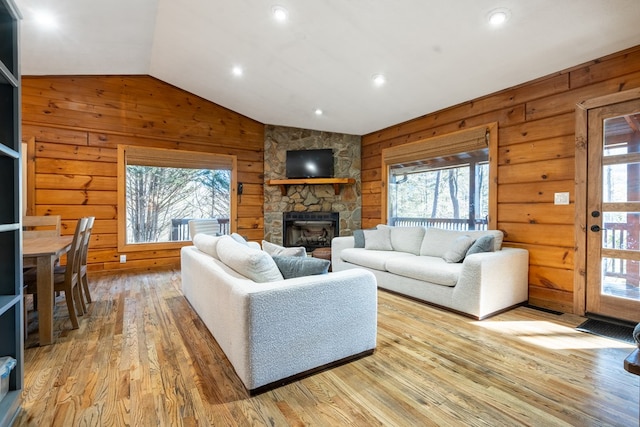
{"x": 11, "y": 298}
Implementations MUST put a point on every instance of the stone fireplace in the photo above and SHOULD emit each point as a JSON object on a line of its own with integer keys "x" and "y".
{"x": 285, "y": 215}
{"x": 312, "y": 230}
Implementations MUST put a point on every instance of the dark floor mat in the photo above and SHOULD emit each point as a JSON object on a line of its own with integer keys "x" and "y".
{"x": 607, "y": 329}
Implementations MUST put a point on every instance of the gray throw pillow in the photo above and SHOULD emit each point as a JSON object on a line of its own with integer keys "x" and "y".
{"x": 358, "y": 239}
{"x": 483, "y": 244}
{"x": 294, "y": 266}
{"x": 457, "y": 252}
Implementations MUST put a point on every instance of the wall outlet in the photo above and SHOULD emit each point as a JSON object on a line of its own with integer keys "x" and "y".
{"x": 123, "y": 259}
{"x": 561, "y": 198}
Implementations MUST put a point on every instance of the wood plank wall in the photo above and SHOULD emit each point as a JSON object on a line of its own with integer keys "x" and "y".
{"x": 536, "y": 159}
{"x": 77, "y": 123}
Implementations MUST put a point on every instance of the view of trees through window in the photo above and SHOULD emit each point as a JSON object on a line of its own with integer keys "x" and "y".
{"x": 159, "y": 199}
{"x": 455, "y": 195}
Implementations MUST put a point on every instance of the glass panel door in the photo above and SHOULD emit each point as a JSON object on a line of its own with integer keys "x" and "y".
{"x": 613, "y": 272}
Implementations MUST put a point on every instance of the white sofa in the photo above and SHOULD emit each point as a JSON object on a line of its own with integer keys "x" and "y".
{"x": 410, "y": 262}
{"x": 277, "y": 331}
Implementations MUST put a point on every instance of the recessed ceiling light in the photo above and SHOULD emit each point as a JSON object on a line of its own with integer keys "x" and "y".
{"x": 498, "y": 17}
{"x": 318, "y": 112}
{"x": 378, "y": 79}
{"x": 45, "y": 19}
{"x": 237, "y": 71}
{"x": 280, "y": 13}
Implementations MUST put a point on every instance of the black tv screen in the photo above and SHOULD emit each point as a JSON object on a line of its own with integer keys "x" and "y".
{"x": 310, "y": 163}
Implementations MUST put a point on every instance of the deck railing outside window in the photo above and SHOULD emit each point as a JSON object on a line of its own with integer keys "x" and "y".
{"x": 618, "y": 235}
{"x": 446, "y": 223}
{"x": 180, "y": 227}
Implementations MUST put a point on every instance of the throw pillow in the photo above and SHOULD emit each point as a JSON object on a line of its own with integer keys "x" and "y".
{"x": 497, "y": 235}
{"x": 407, "y": 239}
{"x": 379, "y": 239}
{"x": 277, "y": 250}
{"x": 358, "y": 238}
{"x": 483, "y": 244}
{"x": 457, "y": 252}
{"x": 238, "y": 238}
{"x": 207, "y": 244}
{"x": 293, "y": 266}
{"x": 252, "y": 263}
{"x": 437, "y": 240}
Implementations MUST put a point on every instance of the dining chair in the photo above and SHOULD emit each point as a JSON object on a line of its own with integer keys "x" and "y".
{"x": 206, "y": 226}
{"x": 41, "y": 225}
{"x": 82, "y": 265}
{"x": 37, "y": 226}
{"x": 69, "y": 281}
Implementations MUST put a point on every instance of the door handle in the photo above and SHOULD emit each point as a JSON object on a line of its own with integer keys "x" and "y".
{"x": 595, "y": 214}
{"x": 595, "y": 228}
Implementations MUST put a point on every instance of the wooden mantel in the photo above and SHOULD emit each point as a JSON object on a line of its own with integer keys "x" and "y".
{"x": 336, "y": 182}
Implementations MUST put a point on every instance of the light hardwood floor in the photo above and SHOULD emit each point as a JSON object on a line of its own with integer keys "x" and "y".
{"x": 142, "y": 357}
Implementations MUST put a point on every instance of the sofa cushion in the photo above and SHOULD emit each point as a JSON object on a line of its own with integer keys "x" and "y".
{"x": 426, "y": 268}
{"x": 207, "y": 244}
{"x": 371, "y": 259}
{"x": 457, "y": 252}
{"x": 407, "y": 239}
{"x": 358, "y": 238}
{"x": 277, "y": 250}
{"x": 482, "y": 244}
{"x": 378, "y": 239}
{"x": 252, "y": 263}
{"x": 295, "y": 266}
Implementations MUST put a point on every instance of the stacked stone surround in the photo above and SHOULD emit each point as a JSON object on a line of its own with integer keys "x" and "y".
{"x": 310, "y": 198}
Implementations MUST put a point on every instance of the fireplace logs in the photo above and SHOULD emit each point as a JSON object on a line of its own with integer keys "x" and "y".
{"x": 310, "y": 229}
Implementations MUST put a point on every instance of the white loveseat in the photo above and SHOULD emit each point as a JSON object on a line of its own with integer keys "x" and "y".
{"x": 409, "y": 261}
{"x": 276, "y": 331}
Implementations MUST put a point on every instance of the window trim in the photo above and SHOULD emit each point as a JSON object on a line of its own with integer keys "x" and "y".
{"x": 163, "y": 157}
{"x": 456, "y": 142}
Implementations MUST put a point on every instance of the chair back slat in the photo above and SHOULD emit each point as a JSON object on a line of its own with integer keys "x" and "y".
{"x": 73, "y": 256}
{"x": 41, "y": 225}
{"x": 85, "y": 243}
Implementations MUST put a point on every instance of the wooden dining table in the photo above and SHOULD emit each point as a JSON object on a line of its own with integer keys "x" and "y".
{"x": 42, "y": 252}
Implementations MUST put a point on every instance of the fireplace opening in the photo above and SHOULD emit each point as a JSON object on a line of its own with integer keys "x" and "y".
{"x": 312, "y": 230}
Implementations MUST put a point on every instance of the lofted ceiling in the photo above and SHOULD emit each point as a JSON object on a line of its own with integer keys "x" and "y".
{"x": 433, "y": 53}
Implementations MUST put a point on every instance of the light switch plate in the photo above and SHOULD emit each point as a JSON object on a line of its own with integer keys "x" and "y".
{"x": 561, "y": 198}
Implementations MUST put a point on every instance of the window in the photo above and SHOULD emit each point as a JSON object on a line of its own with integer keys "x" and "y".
{"x": 160, "y": 190}
{"x": 442, "y": 182}
{"x": 449, "y": 192}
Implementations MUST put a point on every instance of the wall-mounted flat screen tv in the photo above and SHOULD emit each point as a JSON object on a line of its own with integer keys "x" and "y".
{"x": 310, "y": 163}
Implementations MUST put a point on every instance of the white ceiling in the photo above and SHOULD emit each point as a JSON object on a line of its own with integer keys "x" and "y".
{"x": 434, "y": 53}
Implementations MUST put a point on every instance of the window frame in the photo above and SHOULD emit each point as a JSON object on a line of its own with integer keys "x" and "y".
{"x": 452, "y": 143}
{"x": 162, "y": 157}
